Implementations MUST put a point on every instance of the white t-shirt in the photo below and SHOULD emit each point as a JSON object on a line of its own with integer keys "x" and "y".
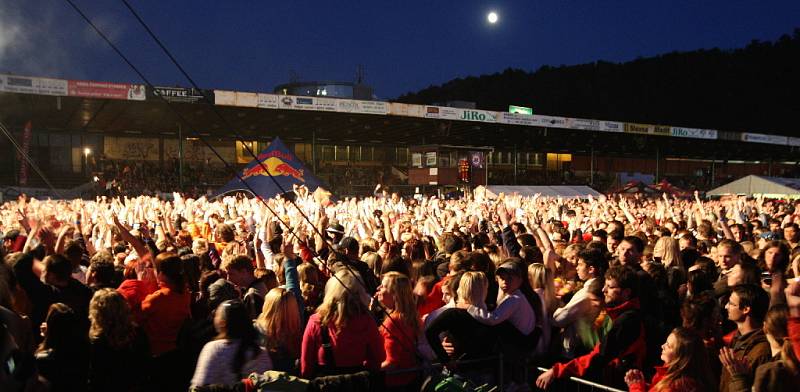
{"x": 214, "y": 366}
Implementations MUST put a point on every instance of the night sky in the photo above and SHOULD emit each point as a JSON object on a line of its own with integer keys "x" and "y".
{"x": 403, "y": 45}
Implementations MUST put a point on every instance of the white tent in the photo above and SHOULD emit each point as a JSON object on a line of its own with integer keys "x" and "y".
{"x": 753, "y": 185}
{"x": 566, "y": 191}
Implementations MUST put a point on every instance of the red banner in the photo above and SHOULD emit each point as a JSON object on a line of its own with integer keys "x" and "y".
{"x": 26, "y": 148}
{"x": 105, "y": 90}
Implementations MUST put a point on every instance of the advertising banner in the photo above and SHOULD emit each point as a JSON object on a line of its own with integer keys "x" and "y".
{"x": 585, "y": 124}
{"x": 235, "y": 98}
{"x": 477, "y": 159}
{"x": 363, "y": 107}
{"x": 611, "y": 126}
{"x": 661, "y": 130}
{"x": 26, "y": 147}
{"x": 551, "y": 121}
{"x": 179, "y": 94}
{"x": 224, "y": 98}
{"x": 268, "y": 101}
{"x": 247, "y": 100}
{"x": 306, "y": 103}
{"x": 765, "y": 139}
{"x": 130, "y": 148}
{"x": 404, "y": 109}
{"x": 693, "y": 133}
{"x": 639, "y": 128}
{"x": 432, "y": 111}
{"x": 517, "y": 119}
{"x": 448, "y": 113}
{"x": 106, "y": 90}
{"x": 29, "y": 85}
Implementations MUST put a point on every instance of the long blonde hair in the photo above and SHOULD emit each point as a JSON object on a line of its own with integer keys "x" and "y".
{"x": 473, "y": 288}
{"x": 399, "y": 287}
{"x": 670, "y": 251}
{"x": 542, "y": 278}
{"x": 111, "y": 318}
{"x": 345, "y": 298}
{"x": 280, "y": 321}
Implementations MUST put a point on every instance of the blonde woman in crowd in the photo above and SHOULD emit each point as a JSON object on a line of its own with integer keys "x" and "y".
{"x": 279, "y": 326}
{"x": 543, "y": 284}
{"x": 667, "y": 251}
{"x": 400, "y": 329}
{"x": 343, "y": 320}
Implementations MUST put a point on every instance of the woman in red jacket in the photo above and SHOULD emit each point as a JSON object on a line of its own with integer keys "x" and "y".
{"x": 344, "y": 325}
{"x": 399, "y": 330}
{"x": 685, "y": 366}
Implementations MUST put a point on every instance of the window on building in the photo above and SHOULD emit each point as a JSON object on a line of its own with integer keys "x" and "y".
{"x": 242, "y": 155}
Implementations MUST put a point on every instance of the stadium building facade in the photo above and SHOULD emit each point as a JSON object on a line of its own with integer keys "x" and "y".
{"x": 73, "y": 129}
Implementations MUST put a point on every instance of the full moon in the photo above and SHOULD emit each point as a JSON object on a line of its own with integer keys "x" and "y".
{"x": 492, "y": 17}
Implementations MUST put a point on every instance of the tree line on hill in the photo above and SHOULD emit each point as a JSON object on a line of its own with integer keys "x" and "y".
{"x": 747, "y": 89}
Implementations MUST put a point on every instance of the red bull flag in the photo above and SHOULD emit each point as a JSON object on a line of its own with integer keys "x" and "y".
{"x": 285, "y": 167}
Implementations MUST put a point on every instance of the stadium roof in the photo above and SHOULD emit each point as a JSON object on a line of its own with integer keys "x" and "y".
{"x": 131, "y": 109}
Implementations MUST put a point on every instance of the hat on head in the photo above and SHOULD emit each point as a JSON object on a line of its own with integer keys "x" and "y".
{"x": 219, "y": 292}
{"x": 512, "y": 266}
{"x": 335, "y": 228}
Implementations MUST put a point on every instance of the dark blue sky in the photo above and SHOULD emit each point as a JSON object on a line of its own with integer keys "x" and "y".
{"x": 404, "y": 45}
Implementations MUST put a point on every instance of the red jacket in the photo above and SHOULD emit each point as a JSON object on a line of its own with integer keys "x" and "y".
{"x": 794, "y": 335}
{"x": 163, "y": 314}
{"x": 683, "y": 384}
{"x": 622, "y": 348}
{"x": 135, "y": 291}
{"x": 434, "y": 299}
{"x": 358, "y": 344}
{"x": 400, "y": 344}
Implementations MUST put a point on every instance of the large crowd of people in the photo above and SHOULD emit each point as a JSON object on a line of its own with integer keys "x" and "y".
{"x": 313, "y": 293}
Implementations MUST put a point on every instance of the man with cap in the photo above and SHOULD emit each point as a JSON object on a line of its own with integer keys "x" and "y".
{"x": 348, "y": 249}
{"x": 333, "y": 235}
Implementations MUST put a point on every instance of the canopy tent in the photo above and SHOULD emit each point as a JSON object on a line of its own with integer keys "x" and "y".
{"x": 566, "y": 191}
{"x": 286, "y": 169}
{"x": 753, "y": 185}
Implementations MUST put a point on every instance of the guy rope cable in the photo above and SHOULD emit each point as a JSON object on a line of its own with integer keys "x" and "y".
{"x": 227, "y": 165}
{"x": 240, "y": 139}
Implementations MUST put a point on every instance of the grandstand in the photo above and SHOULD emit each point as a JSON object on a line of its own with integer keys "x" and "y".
{"x": 79, "y": 129}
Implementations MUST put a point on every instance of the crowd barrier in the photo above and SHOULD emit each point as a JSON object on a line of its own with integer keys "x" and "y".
{"x": 585, "y": 385}
{"x": 575, "y": 383}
